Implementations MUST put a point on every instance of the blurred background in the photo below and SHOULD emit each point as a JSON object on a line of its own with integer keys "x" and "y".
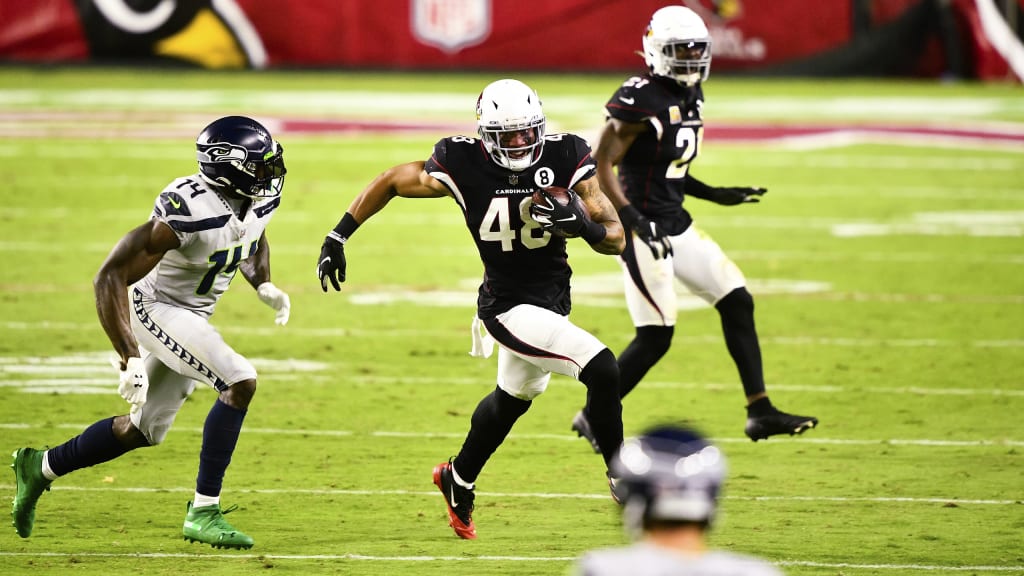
{"x": 948, "y": 39}
{"x": 886, "y": 263}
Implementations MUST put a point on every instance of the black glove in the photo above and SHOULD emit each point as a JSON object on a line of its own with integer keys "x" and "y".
{"x": 647, "y": 231}
{"x": 568, "y": 221}
{"x": 734, "y": 196}
{"x": 332, "y": 262}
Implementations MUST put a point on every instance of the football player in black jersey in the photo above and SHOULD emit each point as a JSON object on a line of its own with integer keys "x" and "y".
{"x": 652, "y": 134}
{"x": 523, "y": 301}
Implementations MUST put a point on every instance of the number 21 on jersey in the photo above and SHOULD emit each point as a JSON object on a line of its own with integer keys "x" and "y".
{"x": 688, "y": 143}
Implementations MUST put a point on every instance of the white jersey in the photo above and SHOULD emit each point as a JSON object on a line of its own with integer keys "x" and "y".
{"x": 643, "y": 559}
{"x": 214, "y": 241}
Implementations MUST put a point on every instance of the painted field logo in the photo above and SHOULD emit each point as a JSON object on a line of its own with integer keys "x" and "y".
{"x": 451, "y": 25}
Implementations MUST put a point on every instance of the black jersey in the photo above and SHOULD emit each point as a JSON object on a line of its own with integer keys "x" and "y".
{"x": 523, "y": 264}
{"x": 653, "y": 169}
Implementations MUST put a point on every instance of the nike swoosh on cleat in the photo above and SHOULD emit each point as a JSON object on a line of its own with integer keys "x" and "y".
{"x": 452, "y": 499}
{"x": 627, "y": 100}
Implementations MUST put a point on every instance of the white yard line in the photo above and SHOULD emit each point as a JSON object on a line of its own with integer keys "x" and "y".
{"x": 708, "y": 339}
{"x": 483, "y": 558}
{"x": 525, "y": 495}
{"x": 916, "y": 442}
{"x": 21, "y": 246}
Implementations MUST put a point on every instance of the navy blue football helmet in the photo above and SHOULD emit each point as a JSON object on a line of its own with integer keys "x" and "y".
{"x": 668, "y": 474}
{"x": 237, "y": 154}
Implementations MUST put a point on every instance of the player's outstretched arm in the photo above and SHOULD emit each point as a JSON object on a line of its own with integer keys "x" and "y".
{"x": 602, "y": 212}
{"x": 407, "y": 180}
{"x": 724, "y": 195}
{"x": 128, "y": 262}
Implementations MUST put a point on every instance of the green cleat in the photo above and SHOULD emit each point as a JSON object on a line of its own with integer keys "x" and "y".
{"x": 207, "y": 524}
{"x": 28, "y": 473}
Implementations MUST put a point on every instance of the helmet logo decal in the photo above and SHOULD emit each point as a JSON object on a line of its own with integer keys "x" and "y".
{"x": 223, "y": 152}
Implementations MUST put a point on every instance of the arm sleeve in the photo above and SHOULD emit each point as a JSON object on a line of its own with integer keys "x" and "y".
{"x": 698, "y": 189}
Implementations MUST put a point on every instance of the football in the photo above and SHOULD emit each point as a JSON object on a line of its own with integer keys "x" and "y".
{"x": 562, "y": 196}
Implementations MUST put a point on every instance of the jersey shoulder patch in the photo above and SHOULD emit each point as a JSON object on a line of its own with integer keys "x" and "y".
{"x": 172, "y": 204}
{"x": 186, "y": 205}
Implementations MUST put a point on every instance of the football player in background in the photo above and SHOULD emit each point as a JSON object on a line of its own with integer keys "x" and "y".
{"x": 523, "y": 302}
{"x": 669, "y": 483}
{"x": 154, "y": 295}
{"x": 652, "y": 134}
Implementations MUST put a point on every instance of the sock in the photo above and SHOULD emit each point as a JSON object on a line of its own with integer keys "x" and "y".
{"x": 647, "y": 347}
{"x": 458, "y": 480}
{"x": 95, "y": 445}
{"x": 760, "y": 407}
{"x": 492, "y": 421}
{"x": 737, "y": 314}
{"x": 200, "y": 500}
{"x": 220, "y": 434}
{"x": 604, "y": 407}
{"x": 48, "y": 472}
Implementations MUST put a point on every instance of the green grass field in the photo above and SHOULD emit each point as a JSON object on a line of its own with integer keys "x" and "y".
{"x": 888, "y": 276}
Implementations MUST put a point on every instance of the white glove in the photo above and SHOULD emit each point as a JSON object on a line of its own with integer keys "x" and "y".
{"x": 277, "y": 299}
{"x": 134, "y": 381}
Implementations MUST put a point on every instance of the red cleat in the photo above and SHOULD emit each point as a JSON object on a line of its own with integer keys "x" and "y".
{"x": 458, "y": 499}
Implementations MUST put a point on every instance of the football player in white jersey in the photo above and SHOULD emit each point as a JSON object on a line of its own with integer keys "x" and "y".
{"x": 651, "y": 137}
{"x": 154, "y": 295}
{"x": 669, "y": 481}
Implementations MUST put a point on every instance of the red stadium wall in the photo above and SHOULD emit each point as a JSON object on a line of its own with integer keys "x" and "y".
{"x": 790, "y": 37}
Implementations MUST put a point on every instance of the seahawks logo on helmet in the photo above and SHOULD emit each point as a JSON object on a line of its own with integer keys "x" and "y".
{"x": 222, "y": 152}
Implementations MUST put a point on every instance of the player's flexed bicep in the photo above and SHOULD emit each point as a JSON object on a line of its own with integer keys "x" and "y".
{"x": 602, "y": 212}
{"x": 132, "y": 258}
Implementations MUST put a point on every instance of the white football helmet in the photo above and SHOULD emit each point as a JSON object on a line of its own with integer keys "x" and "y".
{"x": 677, "y": 45}
{"x": 668, "y": 474}
{"x": 511, "y": 124}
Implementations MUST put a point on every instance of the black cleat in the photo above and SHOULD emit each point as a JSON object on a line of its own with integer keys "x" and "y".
{"x": 776, "y": 422}
{"x": 581, "y": 426}
{"x": 459, "y": 501}
{"x": 613, "y": 487}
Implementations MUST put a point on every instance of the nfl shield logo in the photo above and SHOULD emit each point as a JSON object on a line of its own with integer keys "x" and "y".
{"x": 451, "y": 25}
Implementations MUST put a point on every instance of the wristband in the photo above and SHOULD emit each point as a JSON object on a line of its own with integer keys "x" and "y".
{"x": 346, "y": 227}
{"x": 593, "y": 232}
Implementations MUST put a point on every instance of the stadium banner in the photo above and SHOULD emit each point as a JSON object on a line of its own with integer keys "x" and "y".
{"x": 786, "y": 37}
